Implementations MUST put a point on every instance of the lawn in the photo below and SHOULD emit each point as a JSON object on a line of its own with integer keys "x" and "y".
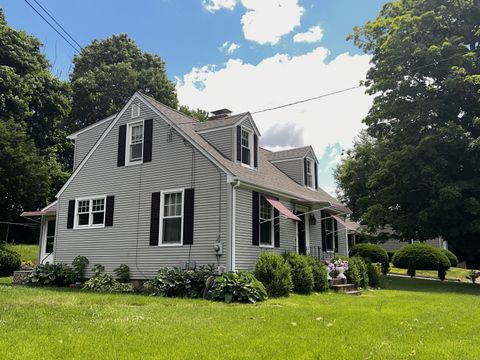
{"x": 27, "y": 252}
{"x": 410, "y": 318}
{"x": 454, "y": 273}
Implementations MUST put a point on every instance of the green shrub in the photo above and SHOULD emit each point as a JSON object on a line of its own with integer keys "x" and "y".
{"x": 177, "y": 282}
{"x": 357, "y": 273}
{"x": 320, "y": 274}
{"x": 391, "y": 254}
{"x": 79, "y": 265}
{"x": 106, "y": 283}
{"x": 451, "y": 257}
{"x": 237, "y": 287}
{"x": 374, "y": 252}
{"x": 52, "y": 275}
{"x": 411, "y": 271}
{"x": 123, "y": 273}
{"x": 98, "y": 269}
{"x": 274, "y": 273}
{"x": 302, "y": 275}
{"x": 442, "y": 273}
{"x": 340, "y": 257}
{"x": 424, "y": 256}
{"x": 385, "y": 267}
{"x": 10, "y": 261}
{"x": 373, "y": 273}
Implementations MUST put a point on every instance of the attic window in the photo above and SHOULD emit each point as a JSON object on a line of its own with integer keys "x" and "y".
{"x": 246, "y": 147}
{"x": 135, "y": 142}
{"x": 135, "y": 110}
{"x": 309, "y": 173}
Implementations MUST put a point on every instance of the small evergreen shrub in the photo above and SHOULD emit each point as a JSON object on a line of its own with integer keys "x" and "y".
{"x": 411, "y": 271}
{"x": 385, "y": 267}
{"x": 442, "y": 273}
{"x": 451, "y": 257}
{"x": 424, "y": 256}
{"x": 52, "y": 275}
{"x": 374, "y": 252}
{"x": 177, "y": 282}
{"x": 320, "y": 274}
{"x": 237, "y": 287}
{"x": 79, "y": 265}
{"x": 10, "y": 261}
{"x": 302, "y": 274}
{"x": 373, "y": 274}
{"x": 106, "y": 283}
{"x": 98, "y": 269}
{"x": 274, "y": 273}
{"x": 357, "y": 273}
{"x": 123, "y": 273}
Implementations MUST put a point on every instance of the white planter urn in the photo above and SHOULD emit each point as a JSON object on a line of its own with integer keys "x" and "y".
{"x": 340, "y": 271}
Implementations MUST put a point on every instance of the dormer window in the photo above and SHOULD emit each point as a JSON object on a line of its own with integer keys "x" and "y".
{"x": 135, "y": 142}
{"x": 309, "y": 172}
{"x": 247, "y": 143}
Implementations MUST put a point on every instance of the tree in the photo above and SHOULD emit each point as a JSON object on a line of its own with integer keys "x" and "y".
{"x": 108, "y": 72}
{"x": 417, "y": 167}
{"x": 199, "y": 114}
{"x": 24, "y": 175}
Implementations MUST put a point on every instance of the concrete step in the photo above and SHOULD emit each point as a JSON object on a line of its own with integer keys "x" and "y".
{"x": 338, "y": 281}
{"x": 343, "y": 287}
{"x": 354, "y": 292}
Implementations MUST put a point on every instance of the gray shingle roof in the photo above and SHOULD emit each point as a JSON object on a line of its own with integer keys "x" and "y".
{"x": 267, "y": 176}
{"x": 289, "y": 154}
{"x": 216, "y": 123}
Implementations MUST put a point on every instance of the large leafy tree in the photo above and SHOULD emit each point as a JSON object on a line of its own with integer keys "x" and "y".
{"x": 108, "y": 72}
{"x": 417, "y": 167}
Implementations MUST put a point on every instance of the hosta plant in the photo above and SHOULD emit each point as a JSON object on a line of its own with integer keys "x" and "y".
{"x": 237, "y": 287}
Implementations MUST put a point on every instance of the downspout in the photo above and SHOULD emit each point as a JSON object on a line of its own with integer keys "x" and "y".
{"x": 234, "y": 207}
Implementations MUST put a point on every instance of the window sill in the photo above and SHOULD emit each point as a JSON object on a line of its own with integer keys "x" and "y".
{"x": 266, "y": 246}
{"x": 139, "y": 162}
{"x": 247, "y": 166}
{"x": 80, "y": 227}
{"x": 170, "y": 245}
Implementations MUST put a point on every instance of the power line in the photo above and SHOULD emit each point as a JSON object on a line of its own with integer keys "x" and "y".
{"x": 56, "y": 22}
{"x": 53, "y": 27}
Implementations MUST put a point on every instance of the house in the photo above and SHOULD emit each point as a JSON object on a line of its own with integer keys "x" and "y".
{"x": 152, "y": 187}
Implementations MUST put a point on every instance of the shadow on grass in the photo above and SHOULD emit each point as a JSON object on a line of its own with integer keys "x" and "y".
{"x": 431, "y": 286}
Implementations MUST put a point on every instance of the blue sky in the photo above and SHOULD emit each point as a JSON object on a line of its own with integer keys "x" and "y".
{"x": 189, "y": 34}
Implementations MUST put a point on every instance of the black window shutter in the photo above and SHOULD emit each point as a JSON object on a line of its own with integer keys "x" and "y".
{"x": 255, "y": 150}
{"x": 335, "y": 233}
{"x": 323, "y": 229}
{"x": 239, "y": 143}
{"x": 71, "y": 214}
{"x": 147, "y": 140}
{"x": 316, "y": 176}
{"x": 255, "y": 218}
{"x": 276, "y": 227}
{"x": 305, "y": 171}
{"x": 122, "y": 142}
{"x": 188, "y": 212}
{"x": 154, "y": 218}
{"x": 109, "y": 210}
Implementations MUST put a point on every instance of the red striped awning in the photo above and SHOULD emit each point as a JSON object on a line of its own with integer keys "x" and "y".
{"x": 50, "y": 209}
{"x": 281, "y": 208}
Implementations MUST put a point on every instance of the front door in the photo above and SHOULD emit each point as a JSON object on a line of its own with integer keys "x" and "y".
{"x": 48, "y": 240}
{"x": 301, "y": 236}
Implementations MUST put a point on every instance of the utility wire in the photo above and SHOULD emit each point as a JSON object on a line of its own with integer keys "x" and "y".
{"x": 53, "y": 27}
{"x": 56, "y": 22}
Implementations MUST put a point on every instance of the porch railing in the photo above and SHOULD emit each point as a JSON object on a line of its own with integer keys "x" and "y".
{"x": 317, "y": 252}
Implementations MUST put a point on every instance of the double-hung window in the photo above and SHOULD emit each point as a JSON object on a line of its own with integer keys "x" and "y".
{"x": 309, "y": 172}
{"x": 135, "y": 142}
{"x": 247, "y": 147}
{"x": 90, "y": 212}
{"x": 330, "y": 233}
{"x": 266, "y": 223}
{"x": 171, "y": 220}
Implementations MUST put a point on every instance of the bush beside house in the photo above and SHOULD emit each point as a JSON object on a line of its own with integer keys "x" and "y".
{"x": 374, "y": 252}
{"x": 9, "y": 261}
{"x": 274, "y": 273}
{"x": 302, "y": 274}
{"x": 423, "y": 256}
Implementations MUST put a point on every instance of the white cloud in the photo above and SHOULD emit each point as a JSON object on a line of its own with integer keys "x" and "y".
{"x": 266, "y": 21}
{"x": 314, "y": 34}
{"x": 215, "y": 5}
{"x": 282, "y": 79}
{"x": 229, "y": 47}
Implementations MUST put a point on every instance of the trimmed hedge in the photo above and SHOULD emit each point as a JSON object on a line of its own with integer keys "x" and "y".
{"x": 9, "y": 261}
{"x": 320, "y": 274}
{"x": 274, "y": 273}
{"x": 374, "y": 252}
{"x": 451, "y": 257}
{"x": 302, "y": 274}
{"x": 357, "y": 273}
{"x": 423, "y": 256}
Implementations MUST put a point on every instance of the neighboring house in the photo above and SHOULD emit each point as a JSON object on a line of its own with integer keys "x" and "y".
{"x": 394, "y": 244}
{"x": 153, "y": 187}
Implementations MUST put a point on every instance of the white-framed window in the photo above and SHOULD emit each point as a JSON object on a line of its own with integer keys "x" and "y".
{"x": 171, "y": 217}
{"x": 135, "y": 142}
{"x": 135, "y": 110}
{"x": 90, "y": 212}
{"x": 247, "y": 147}
{"x": 266, "y": 223}
{"x": 310, "y": 174}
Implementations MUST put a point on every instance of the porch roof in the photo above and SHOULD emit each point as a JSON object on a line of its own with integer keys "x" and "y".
{"x": 50, "y": 209}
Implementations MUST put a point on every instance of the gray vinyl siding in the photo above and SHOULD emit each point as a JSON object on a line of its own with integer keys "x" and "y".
{"x": 245, "y": 253}
{"x": 127, "y": 241}
{"x": 342, "y": 240}
{"x": 315, "y": 233}
{"x": 247, "y": 124}
{"x": 222, "y": 140}
{"x": 292, "y": 168}
{"x": 85, "y": 141}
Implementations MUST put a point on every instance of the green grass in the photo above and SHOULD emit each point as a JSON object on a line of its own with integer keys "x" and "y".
{"x": 454, "y": 273}
{"x": 420, "y": 318}
{"x": 27, "y": 252}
